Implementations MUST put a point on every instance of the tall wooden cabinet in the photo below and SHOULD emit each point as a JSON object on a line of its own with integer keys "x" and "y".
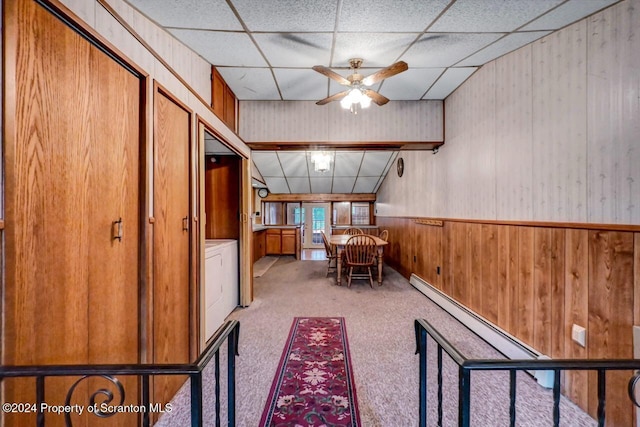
{"x": 72, "y": 194}
{"x": 223, "y": 100}
{"x": 172, "y": 284}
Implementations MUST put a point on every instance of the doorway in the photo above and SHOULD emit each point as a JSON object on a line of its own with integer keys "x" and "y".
{"x": 316, "y": 219}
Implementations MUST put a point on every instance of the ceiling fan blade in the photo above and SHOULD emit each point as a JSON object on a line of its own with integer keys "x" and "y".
{"x": 376, "y": 97}
{"x": 331, "y": 74}
{"x": 336, "y": 97}
{"x": 391, "y": 70}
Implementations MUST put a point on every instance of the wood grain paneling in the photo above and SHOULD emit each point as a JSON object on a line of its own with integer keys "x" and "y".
{"x": 576, "y": 309}
{"x": 611, "y": 317}
{"x": 222, "y": 198}
{"x": 71, "y": 292}
{"x": 474, "y": 266}
{"x": 507, "y": 280}
{"x": 427, "y": 250}
{"x": 536, "y": 282}
{"x": 230, "y": 108}
{"x": 172, "y": 278}
{"x": 548, "y": 284}
{"x": 217, "y": 93}
{"x": 489, "y": 261}
{"x": 525, "y": 287}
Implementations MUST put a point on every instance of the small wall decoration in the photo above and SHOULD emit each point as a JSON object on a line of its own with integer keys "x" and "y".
{"x": 400, "y": 166}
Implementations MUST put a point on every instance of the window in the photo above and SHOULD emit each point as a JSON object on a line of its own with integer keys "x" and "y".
{"x": 360, "y": 214}
{"x": 295, "y": 214}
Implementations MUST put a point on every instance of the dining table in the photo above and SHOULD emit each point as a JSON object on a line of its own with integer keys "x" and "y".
{"x": 340, "y": 240}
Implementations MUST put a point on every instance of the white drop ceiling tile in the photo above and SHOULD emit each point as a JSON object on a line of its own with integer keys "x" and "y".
{"x": 288, "y": 15}
{"x": 343, "y": 184}
{"x": 444, "y": 50}
{"x": 222, "y": 48}
{"x": 294, "y": 163}
{"x": 448, "y": 82}
{"x": 365, "y": 184}
{"x": 377, "y": 49}
{"x": 299, "y": 185}
{"x": 277, "y": 185}
{"x": 567, "y": 13}
{"x": 374, "y": 163}
{"x": 411, "y": 84}
{"x": 267, "y": 163}
{"x": 295, "y": 49}
{"x": 301, "y": 85}
{"x": 388, "y": 15}
{"x": 347, "y": 163}
{"x": 250, "y": 83}
{"x": 321, "y": 185}
{"x": 195, "y": 14}
{"x": 491, "y": 15}
{"x": 502, "y": 47}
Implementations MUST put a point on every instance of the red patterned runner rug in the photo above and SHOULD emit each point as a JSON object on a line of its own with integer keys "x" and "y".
{"x": 314, "y": 382}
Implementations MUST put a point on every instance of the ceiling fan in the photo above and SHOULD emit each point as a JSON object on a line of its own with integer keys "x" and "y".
{"x": 358, "y": 93}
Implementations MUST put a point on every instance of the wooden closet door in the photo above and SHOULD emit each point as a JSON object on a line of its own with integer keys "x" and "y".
{"x": 171, "y": 231}
{"x": 72, "y": 143}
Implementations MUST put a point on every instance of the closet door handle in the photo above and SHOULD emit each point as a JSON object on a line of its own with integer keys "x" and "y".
{"x": 185, "y": 223}
{"x": 116, "y": 229}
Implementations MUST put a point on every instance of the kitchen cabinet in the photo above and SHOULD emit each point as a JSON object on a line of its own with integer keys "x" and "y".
{"x": 259, "y": 244}
{"x": 288, "y": 242}
{"x": 274, "y": 241}
{"x": 283, "y": 241}
{"x": 220, "y": 283}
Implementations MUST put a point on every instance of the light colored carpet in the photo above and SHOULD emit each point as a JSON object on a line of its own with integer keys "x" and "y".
{"x": 261, "y": 266}
{"x": 379, "y": 324}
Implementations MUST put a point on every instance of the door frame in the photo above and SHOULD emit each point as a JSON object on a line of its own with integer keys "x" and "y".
{"x": 308, "y": 214}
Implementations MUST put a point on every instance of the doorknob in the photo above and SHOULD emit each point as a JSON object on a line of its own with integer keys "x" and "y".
{"x": 185, "y": 223}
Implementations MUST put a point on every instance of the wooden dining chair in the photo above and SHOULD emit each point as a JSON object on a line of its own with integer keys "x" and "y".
{"x": 331, "y": 255}
{"x": 384, "y": 235}
{"x": 360, "y": 252}
{"x": 353, "y": 231}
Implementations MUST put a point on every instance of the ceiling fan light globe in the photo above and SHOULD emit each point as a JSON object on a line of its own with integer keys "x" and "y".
{"x": 365, "y": 101}
{"x": 356, "y": 96}
{"x": 345, "y": 102}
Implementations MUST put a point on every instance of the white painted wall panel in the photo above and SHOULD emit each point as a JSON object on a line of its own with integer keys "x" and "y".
{"x": 613, "y": 114}
{"x": 553, "y": 128}
{"x": 514, "y": 136}
{"x": 268, "y": 121}
{"x": 559, "y": 126}
{"x": 84, "y": 9}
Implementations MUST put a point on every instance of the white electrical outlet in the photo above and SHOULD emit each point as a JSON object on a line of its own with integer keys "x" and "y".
{"x": 579, "y": 335}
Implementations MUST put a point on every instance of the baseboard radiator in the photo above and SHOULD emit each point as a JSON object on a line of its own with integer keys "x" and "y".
{"x": 498, "y": 338}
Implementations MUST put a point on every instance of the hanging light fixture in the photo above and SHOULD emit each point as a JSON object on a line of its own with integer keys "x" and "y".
{"x": 355, "y": 100}
{"x": 321, "y": 161}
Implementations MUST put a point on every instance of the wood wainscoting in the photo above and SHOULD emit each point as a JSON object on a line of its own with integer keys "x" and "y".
{"x": 536, "y": 281}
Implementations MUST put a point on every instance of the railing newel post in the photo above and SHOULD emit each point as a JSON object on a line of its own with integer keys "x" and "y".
{"x": 232, "y": 350}
{"x": 512, "y": 397}
{"x": 602, "y": 397}
{"x": 196, "y": 399}
{"x": 464, "y": 396}
{"x": 40, "y": 400}
{"x": 421, "y": 349}
{"x": 556, "y": 397}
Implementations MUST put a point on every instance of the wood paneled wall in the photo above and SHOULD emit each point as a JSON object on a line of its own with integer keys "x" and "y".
{"x": 535, "y": 282}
